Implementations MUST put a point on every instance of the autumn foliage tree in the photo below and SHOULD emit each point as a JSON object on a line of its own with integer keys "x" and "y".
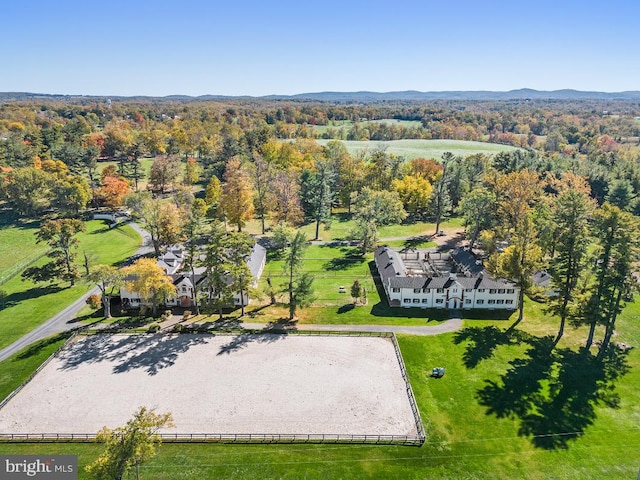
{"x": 112, "y": 191}
{"x": 147, "y": 279}
{"x": 237, "y": 195}
{"x": 128, "y": 446}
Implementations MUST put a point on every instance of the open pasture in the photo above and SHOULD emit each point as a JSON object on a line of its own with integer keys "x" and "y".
{"x": 410, "y": 149}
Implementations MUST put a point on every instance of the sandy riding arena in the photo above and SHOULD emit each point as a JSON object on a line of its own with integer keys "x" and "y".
{"x": 241, "y": 384}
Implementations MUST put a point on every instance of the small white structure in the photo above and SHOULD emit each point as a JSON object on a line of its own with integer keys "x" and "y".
{"x": 171, "y": 262}
{"x": 432, "y": 279}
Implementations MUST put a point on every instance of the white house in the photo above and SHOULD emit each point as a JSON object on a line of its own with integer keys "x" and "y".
{"x": 432, "y": 279}
{"x": 171, "y": 261}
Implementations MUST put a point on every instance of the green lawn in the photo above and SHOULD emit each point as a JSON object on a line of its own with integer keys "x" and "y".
{"x": 28, "y": 304}
{"x": 18, "y": 246}
{"x": 410, "y": 149}
{"x": 489, "y": 417}
{"x": 342, "y": 225}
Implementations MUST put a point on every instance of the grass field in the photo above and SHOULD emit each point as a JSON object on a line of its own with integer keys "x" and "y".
{"x": 28, "y": 305}
{"x": 342, "y": 225}
{"x": 18, "y": 246}
{"x": 489, "y": 417}
{"x": 410, "y": 149}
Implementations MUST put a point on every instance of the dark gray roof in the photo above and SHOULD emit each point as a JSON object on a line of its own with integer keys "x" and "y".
{"x": 393, "y": 273}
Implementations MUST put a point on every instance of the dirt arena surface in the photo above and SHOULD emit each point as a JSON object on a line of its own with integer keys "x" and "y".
{"x": 263, "y": 384}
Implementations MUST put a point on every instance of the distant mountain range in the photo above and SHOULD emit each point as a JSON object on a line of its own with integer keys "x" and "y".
{"x": 366, "y": 97}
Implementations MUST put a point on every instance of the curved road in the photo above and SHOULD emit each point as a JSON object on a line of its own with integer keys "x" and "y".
{"x": 62, "y": 321}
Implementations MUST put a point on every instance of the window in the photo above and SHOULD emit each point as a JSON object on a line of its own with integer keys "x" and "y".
{"x": 395, "y": 290}
{"x": 492, "y": 301}
{"x": 492, "y": 290}
{"x": 467, "y": 290}
{"x": 416, "y": 300}
{"x": 455, "y": 290}
{"x": 425, "y": 300}
{"x": 426, "y": 290}
{"x": 184, "y": 289}
{"x": 468, "y": 300}
{"x": 416, "y": 290}
{"x": 439, "y": 300}
{"x": 479, "y": 301}
{"x": 481, "y": 290}
{"x": 509, "y": 302}
{"x": 440, "y": 290}
{"x": 500, "y": 302}
{"x": 501, "y": 290}
{"x": 407, "y": 300}
{"x": 510, "y": 290}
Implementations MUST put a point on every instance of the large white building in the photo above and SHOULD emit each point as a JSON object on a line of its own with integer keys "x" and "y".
{"x": 171, "y": 262}
{"x": 447, "y": 280}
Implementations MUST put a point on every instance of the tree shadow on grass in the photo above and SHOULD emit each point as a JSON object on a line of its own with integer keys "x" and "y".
{"x": 483, "y": 341}
{"x": 417, "y": 242}
{"x": 553, "y": 392}
{"x": 151, "y": 353}
{"x": 36, "y": 348}
{"x": 16, "y": 298}
{"x": 337, "y": 264}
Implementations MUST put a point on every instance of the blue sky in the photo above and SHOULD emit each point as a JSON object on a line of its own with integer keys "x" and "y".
{"x": 241, "y": 47}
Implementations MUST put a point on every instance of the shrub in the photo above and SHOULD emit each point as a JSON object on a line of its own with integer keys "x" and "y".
{"x": 178, "y": 328}
{"x": 153, "y": 328}
{"x": 166, "y": 315}
{"x": 186, "y": 315}
{"x": 94, "y": 301}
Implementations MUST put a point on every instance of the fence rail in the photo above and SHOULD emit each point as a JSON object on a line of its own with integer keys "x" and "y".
{"x": 19, "y": 267}
{"x": 227, "y": 438}
{"x": 412, "y": 398}
{"x": 44, "y": 364}
{"x": 410, "y": 440}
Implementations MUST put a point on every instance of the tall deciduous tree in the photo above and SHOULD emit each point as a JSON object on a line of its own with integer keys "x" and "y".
{"x": 478, "y": 210}
{"x": 415, "y": 193}
{"x": 112, "y": 191}
{"x": 150, "y": 282}
{"x": 164, "y": 171}
{"x": 192, "y": 172}
{"x": 163, "y": 220}
{"x": 109, "y": 279}
{"x": 129, "y": 446}
{"x": 237, "y": 195}
{"x": 374, "y": 209}
{"x": 519, "y": 261}
{"x": 261, "y": 173}
{"x": 28, "y": 191}
{"x": 212, "y": 196}
{"x": 285, "y": 205}
{"x": 60, "y": 236}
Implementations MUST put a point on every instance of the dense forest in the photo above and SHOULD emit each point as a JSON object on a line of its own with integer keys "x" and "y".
{"x": 566, "y": 198}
